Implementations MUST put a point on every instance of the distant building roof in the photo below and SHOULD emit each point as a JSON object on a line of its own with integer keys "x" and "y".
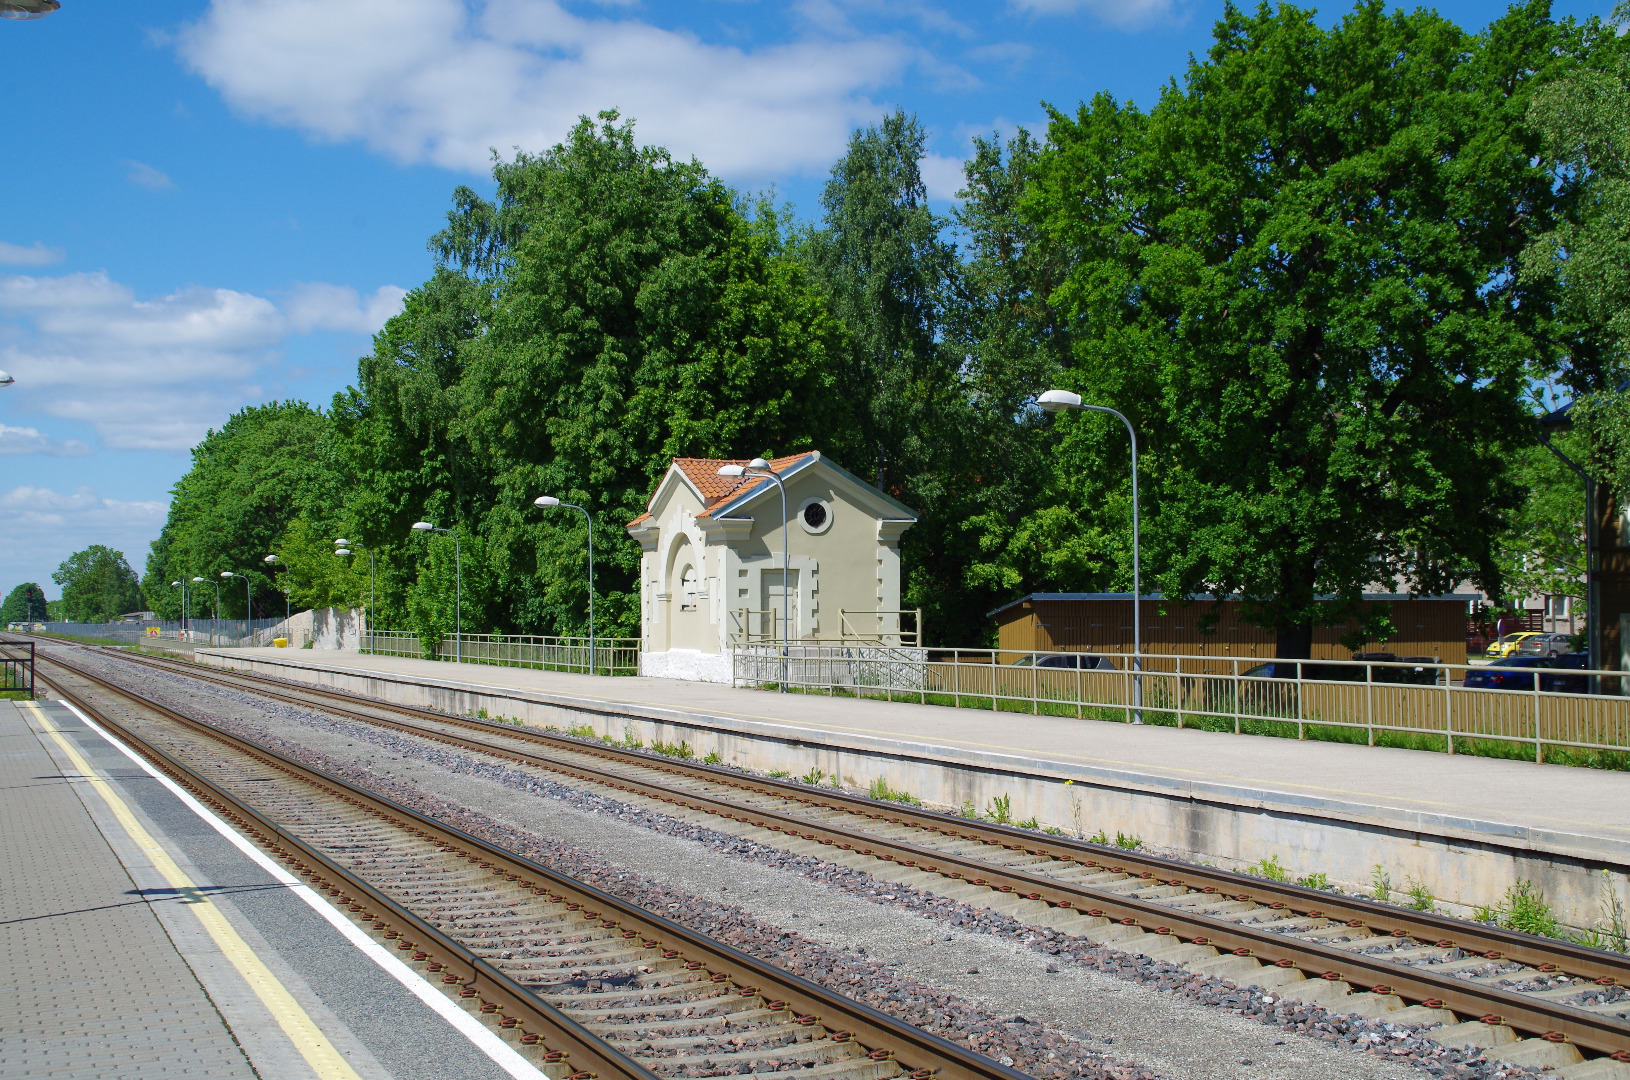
{"x": 1464, "y": 597}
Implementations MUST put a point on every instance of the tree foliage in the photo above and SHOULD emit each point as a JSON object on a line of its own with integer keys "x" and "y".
{"x": 1298, "y": 275}
{"x": 25, "y": 603}
{"x": 97, "y": 585}
{"x": 265, "y": 467}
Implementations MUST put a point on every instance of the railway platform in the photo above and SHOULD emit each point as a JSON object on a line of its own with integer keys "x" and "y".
{"x": 1466, "y": 828}
{"x": 141, "y": 940}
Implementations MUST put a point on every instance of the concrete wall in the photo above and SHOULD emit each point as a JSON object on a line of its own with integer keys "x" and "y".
{"x": 324, "y": 628}
{"x": 1463, "y": 863}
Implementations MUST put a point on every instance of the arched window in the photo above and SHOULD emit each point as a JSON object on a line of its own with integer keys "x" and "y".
{"x": 688, "y": 587}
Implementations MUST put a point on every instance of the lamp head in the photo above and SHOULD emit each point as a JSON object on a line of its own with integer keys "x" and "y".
{"x": 341, "y": 542}
{"x": 1058, "y": 400}
{"x": 422, "y": 526}
{"x": 731, "y": 470}
{"x": 174, "y": 583}
{"x": 200, "y": 579}
{"x": 227, "y": 574}
{"x": 546, "y": 501}
{"x": 6, "y": 379}
{"x": 270, "y": 558}
{"x": 758, "y": 463}
{"x": 342, "y": 551}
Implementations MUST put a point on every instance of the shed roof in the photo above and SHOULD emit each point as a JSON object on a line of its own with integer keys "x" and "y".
{"x": 1041, "y": 596}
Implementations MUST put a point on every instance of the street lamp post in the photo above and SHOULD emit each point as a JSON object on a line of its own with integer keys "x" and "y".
{"x": 458, "y": 587}
{"x": 549, "y": 502}
{"x": 183, "y": 585}
{"x": 760, "y": 469}
{"x": 342, "y": 547}
{"x": 248, "y": 603}
{"x": 1068, "y": 401}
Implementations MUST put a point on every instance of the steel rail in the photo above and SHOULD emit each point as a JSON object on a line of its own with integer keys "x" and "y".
{"x": 919, "y": 1053}
{"x": 1602, "y": 1034}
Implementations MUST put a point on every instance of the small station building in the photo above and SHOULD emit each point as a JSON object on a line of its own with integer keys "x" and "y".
{"x": 1101, "y": 623}
{"x": 711, "y": 568}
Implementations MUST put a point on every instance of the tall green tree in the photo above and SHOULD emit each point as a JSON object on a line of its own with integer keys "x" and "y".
{"x": 1298, "y": 275}
{"x": 1584, "y": 120}
{"x": 97, "y": 585}
{"x": 267, "y": 466}
{"x": 611, "y": 309}
{"x": 25, "y": 603}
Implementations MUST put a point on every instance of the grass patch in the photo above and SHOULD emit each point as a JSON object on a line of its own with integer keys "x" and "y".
{"x": 880, "y": 789}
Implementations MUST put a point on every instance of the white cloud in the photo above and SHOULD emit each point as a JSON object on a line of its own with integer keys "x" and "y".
{"x": 942, "y": 176}
{"x": 1123, "y": 13}
{"x": 443, "y": 81}
{"x": 44, "y": 527}
{"x": 156, "y": 374}
{"x": 38, "y": 255}
{"x": 148, "y": 177}
{"x": 27, "y": 440}
{"x": 316, "y": 306}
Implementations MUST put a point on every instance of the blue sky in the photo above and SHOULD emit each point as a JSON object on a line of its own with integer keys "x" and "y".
{"x": 214, "y": 203}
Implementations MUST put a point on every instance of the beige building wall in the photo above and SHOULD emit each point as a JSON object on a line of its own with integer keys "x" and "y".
{"x": 712, "y": 563}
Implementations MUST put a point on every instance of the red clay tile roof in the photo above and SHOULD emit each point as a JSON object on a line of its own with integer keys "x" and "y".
{"x": 703, "y": 473}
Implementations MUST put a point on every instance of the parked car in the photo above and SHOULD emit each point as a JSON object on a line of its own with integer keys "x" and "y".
{"x": 1545, "y": 645}
{"x": 1521, "y": 672}
{"x": 1508, "y": 645}
{"x": 1083, "y": 661}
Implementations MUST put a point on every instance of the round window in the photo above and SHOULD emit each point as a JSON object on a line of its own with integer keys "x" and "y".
{"x": 815, "y": 515}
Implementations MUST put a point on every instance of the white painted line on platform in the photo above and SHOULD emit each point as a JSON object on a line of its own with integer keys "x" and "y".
{"x": 502, "y": 1054}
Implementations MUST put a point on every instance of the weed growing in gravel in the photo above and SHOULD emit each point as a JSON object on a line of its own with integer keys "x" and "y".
{"x": 880, "y": 790}
{"x": 680, "y": 749}
{"x": 969, "y": 811}
{"x": 813, "y": 777}
{"x": 1484, "y": 913}
{"x": 1130, "y": 843}
{"x": 1420, "y": 897}
{"x": 1099, "y": 837}
{"x": 1075, "y": 810}
{"x": 1000, "y": 810}
{"x": 1611, "y": 932}
{"x": 1314, "y": 881}
{"x": 1271, "y": 869}
{"x": 1380, "y": 883}
{"x": 1524, "y": 909}
{"x": 713, "y": 758}
{"x": 580, "y": 731}
{"x": 780, "y": 774}
{"x": 1053, "y": 830}
{"x": 1029, "y": 823}
{"x": 634, "y": 742}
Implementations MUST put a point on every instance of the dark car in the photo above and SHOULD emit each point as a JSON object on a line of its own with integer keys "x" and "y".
{"x": 1545, "y": 645}
{"x": 1084, "y": 661}
{"x": 1523, "y": 672}
{"x": 1287, "y": 669}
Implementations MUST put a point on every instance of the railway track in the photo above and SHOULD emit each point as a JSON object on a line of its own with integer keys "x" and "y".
{"x": 584, "y": 984}
{"x": 1530, "y": 1000}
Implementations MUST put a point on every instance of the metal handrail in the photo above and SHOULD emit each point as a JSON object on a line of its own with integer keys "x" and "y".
{"x": 1371, "y": 699}
{"x": 602, "y": 656}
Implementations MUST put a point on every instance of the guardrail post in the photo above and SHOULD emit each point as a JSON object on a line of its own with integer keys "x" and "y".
{"x": 1235, "y": 664}
{"x": 1539, "y": 748}
{"x": 1369, "y": 700}
{"x": 1301, "y": 692}
{"x": 1448, "y": 709}
{"x": 1179, "y": 694}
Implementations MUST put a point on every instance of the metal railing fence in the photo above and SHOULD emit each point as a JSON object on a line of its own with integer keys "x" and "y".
{"x": 17, "y": 668}
{"x": 1414, "y": 703}
{"x": 612, "y": 656}
{"x": 220, "y": 633}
